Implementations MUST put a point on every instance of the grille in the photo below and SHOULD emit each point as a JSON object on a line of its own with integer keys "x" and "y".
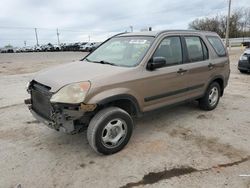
{"x": 40, "y": 97}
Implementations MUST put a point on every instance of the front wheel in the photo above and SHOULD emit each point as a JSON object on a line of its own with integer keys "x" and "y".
{"x": 211, "y": 97}
{"x": 110, "y": 130}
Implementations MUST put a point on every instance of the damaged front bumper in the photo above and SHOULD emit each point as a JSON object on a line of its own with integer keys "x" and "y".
{"x": 69, "y": 119}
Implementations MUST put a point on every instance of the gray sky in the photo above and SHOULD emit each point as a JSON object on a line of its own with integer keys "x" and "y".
{"x": 78, "y": 19}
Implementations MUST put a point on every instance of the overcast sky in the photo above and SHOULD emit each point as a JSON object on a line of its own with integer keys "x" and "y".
{"x": 79, "y": 19}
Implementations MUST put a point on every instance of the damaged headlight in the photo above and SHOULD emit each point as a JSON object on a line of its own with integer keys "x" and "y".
{"x": 72, "y": 93}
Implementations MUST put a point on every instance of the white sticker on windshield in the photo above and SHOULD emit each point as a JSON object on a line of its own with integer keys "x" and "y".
{"x": 137, "y": 41}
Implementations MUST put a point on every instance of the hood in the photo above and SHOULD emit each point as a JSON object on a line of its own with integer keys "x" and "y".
{"x": 62, "y": 75}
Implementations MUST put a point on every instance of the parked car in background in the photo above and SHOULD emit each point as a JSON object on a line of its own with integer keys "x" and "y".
{"x": 244, "y": 62}
{"x": 71, "y": 47}
{"x": 50, "y": 47}
{"x": 96, "y": 45}
{"x": 127, "y": 76}
{"x": 56, "y": 47}
{"x": 246, "y": 43}
{"x": 47, "y": 47}
{"x": 87, "y": 47}
{"x": 3, "y": 50}
{"x": 7, "y": 49}
{"x": 37, "y": 48}
{"x": 18, "y": 50}
{"x": 28, "y": 49}
{"x": 82, "y": 46}
{"x": 44, "y": 48}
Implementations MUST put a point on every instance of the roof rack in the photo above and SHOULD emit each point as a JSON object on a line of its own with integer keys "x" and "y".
{"x": 184, "y": 30}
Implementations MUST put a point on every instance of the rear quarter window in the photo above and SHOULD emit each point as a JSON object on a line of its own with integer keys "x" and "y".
{"x": 217, "y": 45}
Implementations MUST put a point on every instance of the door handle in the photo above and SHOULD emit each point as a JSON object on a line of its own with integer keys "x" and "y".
{"x": 210, "y": 66}
{"x": 181, "y": 71}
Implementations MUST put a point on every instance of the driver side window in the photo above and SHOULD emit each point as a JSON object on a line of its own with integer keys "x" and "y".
{"x": 170, "y": 48}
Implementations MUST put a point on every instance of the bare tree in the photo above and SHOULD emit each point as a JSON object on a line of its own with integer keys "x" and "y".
{"x": 239, "y": 23}
{"x": 245, "y": 22}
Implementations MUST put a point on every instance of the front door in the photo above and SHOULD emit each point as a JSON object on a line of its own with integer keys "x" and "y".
{"x": 166, "y": 85}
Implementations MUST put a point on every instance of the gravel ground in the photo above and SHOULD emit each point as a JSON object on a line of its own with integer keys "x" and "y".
{"x": 178, "y": 147}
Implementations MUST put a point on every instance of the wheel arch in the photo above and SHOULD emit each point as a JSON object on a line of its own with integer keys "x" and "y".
{"x": 220, "y": 80}
{"x": 124, "y": 101}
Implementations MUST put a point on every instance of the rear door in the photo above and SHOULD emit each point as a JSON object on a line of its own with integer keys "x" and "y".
{"x": 197, "y": 65}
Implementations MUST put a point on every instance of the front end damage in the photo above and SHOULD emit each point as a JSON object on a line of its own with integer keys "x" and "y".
{"x": 68, "y": 118}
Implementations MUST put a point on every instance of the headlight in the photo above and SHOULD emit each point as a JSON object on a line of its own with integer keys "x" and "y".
{"x": 72, "y": 93}
{"x": 243, "y": 57}
{"x": 28, "y": 87}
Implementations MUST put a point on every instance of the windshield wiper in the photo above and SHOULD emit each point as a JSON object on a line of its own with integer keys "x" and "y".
{"x": 101, "y": 62}
{"x": 106, "y": 62}
{"x": 88, "y": 60}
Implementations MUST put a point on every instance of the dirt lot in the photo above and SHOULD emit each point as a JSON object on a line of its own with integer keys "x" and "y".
{"x": 178, "y": 147}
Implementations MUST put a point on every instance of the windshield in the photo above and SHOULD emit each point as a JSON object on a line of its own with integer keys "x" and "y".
{"x": 121, "y": 51}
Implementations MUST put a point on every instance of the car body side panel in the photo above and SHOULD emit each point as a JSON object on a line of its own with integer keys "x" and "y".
{"x": 164, "y": 86}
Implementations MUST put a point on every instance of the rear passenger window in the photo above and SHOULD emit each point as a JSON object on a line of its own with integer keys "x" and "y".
{"x": 170, "y": 48}
{"x": 217, "y": 45}
{"x": 196, "y": 49}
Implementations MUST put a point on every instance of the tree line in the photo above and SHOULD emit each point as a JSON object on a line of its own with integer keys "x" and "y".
{"x": 239, "y": 24}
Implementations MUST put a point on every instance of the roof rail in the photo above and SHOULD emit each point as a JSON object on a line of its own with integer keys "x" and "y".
{"x": 118, "y": 34}
{"x": 184, "y": 30}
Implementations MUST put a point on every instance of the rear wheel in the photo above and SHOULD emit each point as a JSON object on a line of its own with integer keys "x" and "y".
{"x": 110, "y": 130}
{"x": 211, "y": 97}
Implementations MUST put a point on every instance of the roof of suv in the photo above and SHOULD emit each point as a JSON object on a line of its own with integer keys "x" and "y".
{"x": 156, "y": 33}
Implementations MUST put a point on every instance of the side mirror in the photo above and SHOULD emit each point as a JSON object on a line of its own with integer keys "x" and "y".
{"x": 156, "y": 62}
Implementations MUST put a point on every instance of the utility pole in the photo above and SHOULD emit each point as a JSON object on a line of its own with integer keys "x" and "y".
{"x": 89, "y": 37}
{"x": 244, "y": 29}
{"x": 36, "y": 37}
{"x": 58, "y": 40}
{"x": 24, "y": 43}
{"x": 228, "y": 23}
{"x": 131, "y": 28}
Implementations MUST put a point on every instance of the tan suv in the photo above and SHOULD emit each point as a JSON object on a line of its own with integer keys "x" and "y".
{"x": 128, "y": 75}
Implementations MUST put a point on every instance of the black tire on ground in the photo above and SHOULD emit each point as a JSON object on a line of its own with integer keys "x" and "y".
{"x": 104, "y": 124}
{"x": 205, "y": 102}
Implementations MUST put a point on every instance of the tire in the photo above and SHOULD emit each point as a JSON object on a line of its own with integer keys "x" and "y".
{"x": 209, "y": 101}
{"x": 110, "y": 130}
